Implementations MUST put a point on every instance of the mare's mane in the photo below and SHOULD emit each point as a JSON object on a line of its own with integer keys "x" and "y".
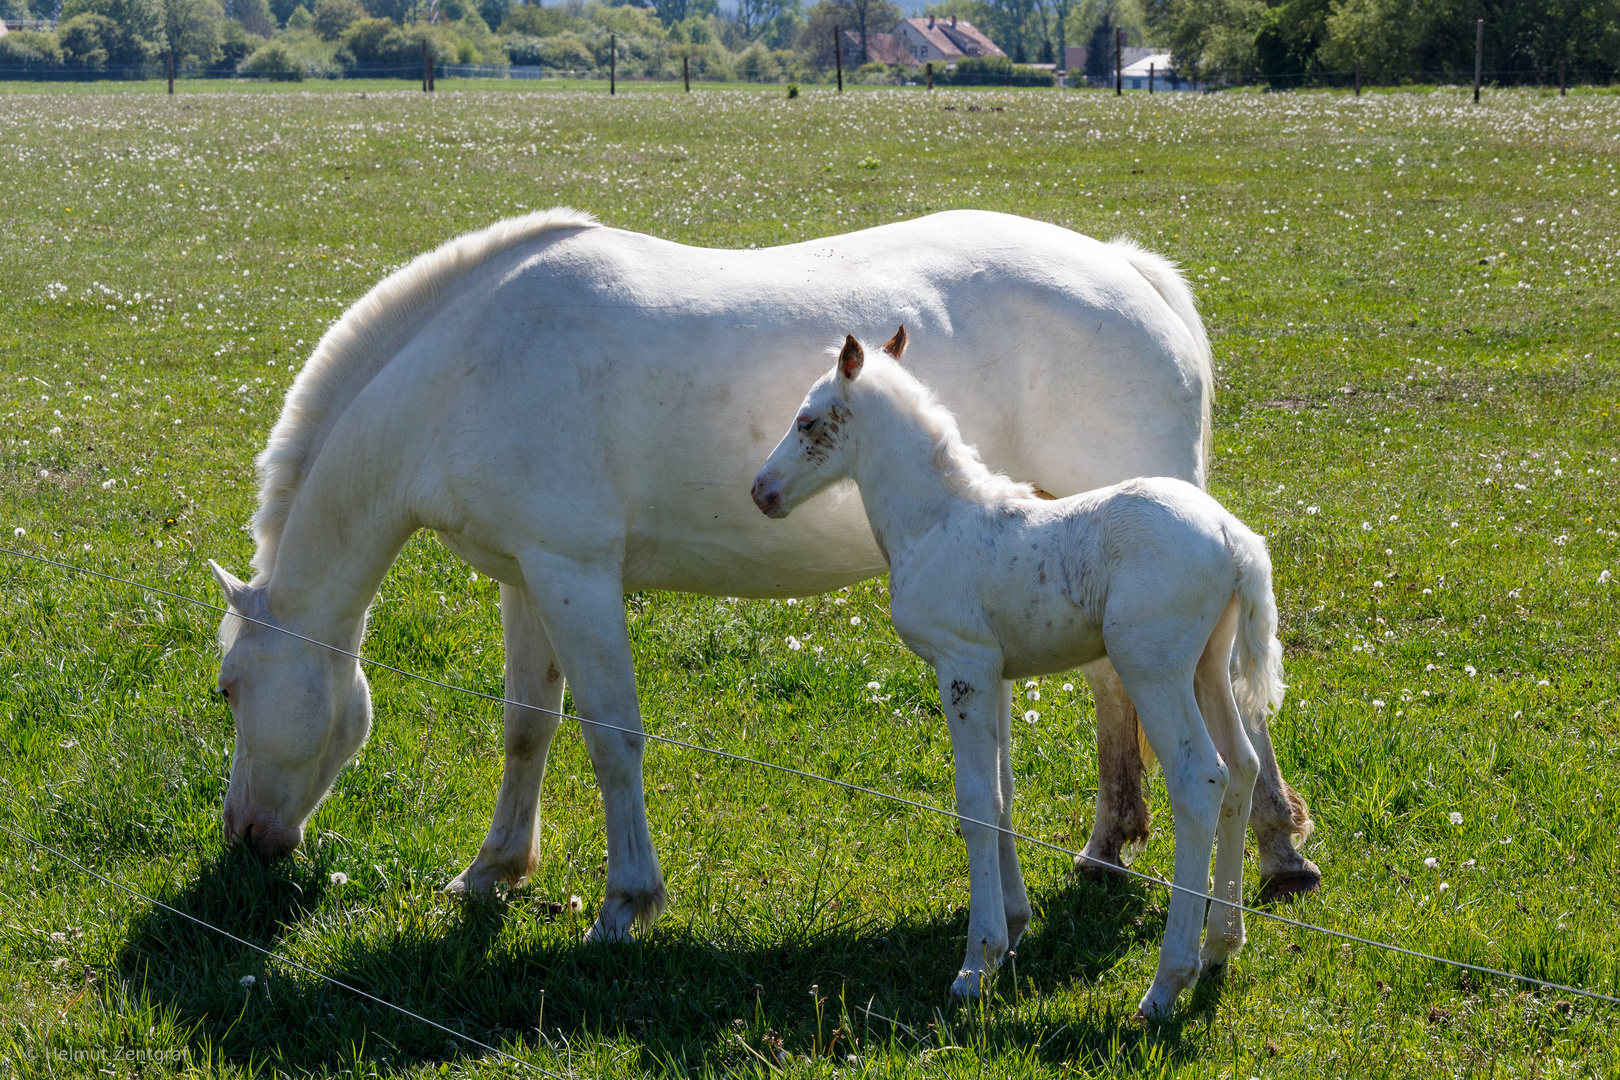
{"x": 957, "y": 463}
{"x": 353, "y": 350}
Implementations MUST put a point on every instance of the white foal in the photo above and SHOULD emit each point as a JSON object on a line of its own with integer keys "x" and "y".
{"x": 989, "y": 583}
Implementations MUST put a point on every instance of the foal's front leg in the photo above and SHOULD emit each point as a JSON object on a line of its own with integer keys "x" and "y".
{"x": 972, "y": 692}
{"x": 1014, "y": 897}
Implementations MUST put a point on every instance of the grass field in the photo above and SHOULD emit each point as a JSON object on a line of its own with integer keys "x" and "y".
{"x": 1412, "y": 302}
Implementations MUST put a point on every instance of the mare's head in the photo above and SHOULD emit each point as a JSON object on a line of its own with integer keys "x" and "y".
{"x": 301, "y": 712}
{"x": 815, "y": 452}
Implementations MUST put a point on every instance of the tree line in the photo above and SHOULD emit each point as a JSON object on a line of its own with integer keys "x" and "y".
{"x": 1217, "y": 42}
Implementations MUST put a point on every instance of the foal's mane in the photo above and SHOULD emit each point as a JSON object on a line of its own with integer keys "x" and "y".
{"x": 353, "y": 350}
{"x": 957, "y": 463}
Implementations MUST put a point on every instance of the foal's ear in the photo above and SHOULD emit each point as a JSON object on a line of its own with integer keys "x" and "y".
{"x": 897, "y": 344}
{"x": 851, "y": 357}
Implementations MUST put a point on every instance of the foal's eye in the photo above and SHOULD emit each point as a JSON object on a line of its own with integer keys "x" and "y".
{"x": 806, "y": 423}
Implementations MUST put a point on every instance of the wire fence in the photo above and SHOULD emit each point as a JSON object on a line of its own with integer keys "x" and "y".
{"x": 901, "y": 800}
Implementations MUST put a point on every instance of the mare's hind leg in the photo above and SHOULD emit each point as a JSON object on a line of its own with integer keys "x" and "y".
{"x": 1014, "y": 897}
{"x": 582, "y": 605}
{"x": 512, "y": 847}
{"x": 1212, "y": 686}
{"x": 1122, "y": 820}
{"x": 1279, "y": 816}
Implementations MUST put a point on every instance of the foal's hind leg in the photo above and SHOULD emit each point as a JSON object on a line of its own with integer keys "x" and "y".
{"x": 1014, "y": 897}
{"x": 512, "y": 848}
{"x": 1212, "y": 686}
{"x": 1122, "y": 820}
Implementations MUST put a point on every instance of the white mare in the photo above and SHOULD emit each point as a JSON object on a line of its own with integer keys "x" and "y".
{"x": 577, "y": 411}
{"x": 989, "y": 583}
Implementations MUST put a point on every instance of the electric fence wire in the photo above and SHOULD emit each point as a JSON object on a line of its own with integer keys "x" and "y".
{"x": 846, "y": 785}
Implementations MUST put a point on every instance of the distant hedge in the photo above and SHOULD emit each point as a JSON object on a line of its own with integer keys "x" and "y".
{"x": 995, "y": 71}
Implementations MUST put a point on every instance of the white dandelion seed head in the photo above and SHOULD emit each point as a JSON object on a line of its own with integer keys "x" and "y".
{"x": 575, "y": 904}
{"x": 1313, "y": 510}
{"x": 1068, "y": 688}
{"x": 1603, "y": 578}
{"x": 339, "y": 878}
{"x": 1366, "y": 526}
{"x": 793, "y": 643}
{"x": 1030, "y": 716}
{"x": 246, "y": 982}
{"x": 19, "y": 531}
{"x": 1431, "y": 862}
{"x": 854, "y": 620}
{"x": 1455, "y": 817}
{"x": 1472, "y": 671}
{"x": 1032, "y": 695}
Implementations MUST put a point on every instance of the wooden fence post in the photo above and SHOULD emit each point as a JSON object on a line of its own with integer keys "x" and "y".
{"x": 930, "y": 75}
{"x": 1358, "y": 78}
{"x": 838, "y": 54}
{"x": 171, "y": 72}
{"x": 1479, "y": 56}
{"x": 1560, "y": 78}
{"x": 1119, "y": 63}
{"x": 1151, "y": 73}
{"x": 686, "y": 72}
{"x": 613, "y": 64}
{"x": 424, "y": 65}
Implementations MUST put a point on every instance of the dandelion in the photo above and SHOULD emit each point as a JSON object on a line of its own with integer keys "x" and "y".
{"x": 1068, "y": 688}
{"x": 1455, "y": 817}
{"x": 874, "y": 685}
{"x": 1428, "y": 592}
{"x": 1544, "y": 682}
{"x": 1469, "y": 865}
{"x": 1030, "y": 716}
{"x": 792, "y": 601}
{"x": 1444, "y": 886}
{"x": 1603, "y": 578}
{"x": 793, "y": 643}
{"x": 1513, "y": 594}
{"x": 19, "y": 531}
{"x": 854, "y": 620}
{"x": 1378, "y": 703}
{"x": 339, "y": 878}
{"x": 575, "y": 905}
{"x": 1432, "y": 863}
{"x": 246, "y": 982}
{"x": 108, "y": 485}
{"x": 1033, "y": 695}
{"x": 1313, "y": 510}
{"x": 1378, "y": 584}
{"x": 1472, "y": 671}
{"x": 1366, "y": 526}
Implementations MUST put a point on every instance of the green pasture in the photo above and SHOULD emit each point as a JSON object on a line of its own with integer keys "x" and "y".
{"x": 1412, "y": 303}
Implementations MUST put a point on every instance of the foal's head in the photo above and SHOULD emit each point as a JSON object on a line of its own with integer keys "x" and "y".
{"x": 301, "y": 712}
{"x": 815, "y": 452}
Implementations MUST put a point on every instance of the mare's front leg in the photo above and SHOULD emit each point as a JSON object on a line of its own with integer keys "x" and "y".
{"x": 1123, "y": 821}
{"x": 1014, "y": 897}
{"x": 971, "y": 690}
{"x": 512, "y": 848}
{"x": 582, "y": 605}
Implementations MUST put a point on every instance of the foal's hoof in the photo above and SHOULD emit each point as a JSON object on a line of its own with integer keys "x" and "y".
{"x": 1306, "y": 878}
{"x": 969, "y": 986}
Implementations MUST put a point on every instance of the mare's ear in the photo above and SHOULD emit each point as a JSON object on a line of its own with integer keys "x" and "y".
{"x": 239, "y": 594}
{"x": 897, "y": 344}
{"x": 851, "y": 357}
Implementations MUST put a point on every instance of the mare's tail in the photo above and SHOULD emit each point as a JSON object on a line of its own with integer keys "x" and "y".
{"x": 1258, "y": 684}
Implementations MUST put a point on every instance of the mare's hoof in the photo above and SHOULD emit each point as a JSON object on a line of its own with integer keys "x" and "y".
{"x": 1305, "y": 879}
{"x": 968, "y": 986}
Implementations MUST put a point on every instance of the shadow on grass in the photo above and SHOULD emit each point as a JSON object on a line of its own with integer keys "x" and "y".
{"x": 678, "y": 998}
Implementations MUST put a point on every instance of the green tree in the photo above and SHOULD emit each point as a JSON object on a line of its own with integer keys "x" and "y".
{"x": 254, "y": 15}
{"x": 332, "y": 17}
{"x": 84, "y": 39}
{"x": 28, "y": 48}
{"x": 1289, "y": 40}
{"x": 192, "y": 30}
{"x": 1214, "y": 40}
{"x": 136, "y": 34}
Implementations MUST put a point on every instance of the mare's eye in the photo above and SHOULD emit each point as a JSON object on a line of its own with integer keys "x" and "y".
{"x": 806, "y": 423}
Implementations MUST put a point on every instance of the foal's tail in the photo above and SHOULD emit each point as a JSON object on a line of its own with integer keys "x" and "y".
{"x": 1258, "y": 685}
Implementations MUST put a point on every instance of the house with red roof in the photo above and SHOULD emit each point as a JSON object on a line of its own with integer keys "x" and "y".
{"x": 931, "y": 40}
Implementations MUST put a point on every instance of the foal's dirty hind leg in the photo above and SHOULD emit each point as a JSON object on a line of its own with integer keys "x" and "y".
{"x": 1279, "y": 817}
{"x": 1123, "y": 822}
{"x": 1014, "y": 896}
{"x": 1212, "y": 687}
{"x": 512, "y": 848}
{"x": 583, "y": 607}
{"x": 972, "y": 694}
